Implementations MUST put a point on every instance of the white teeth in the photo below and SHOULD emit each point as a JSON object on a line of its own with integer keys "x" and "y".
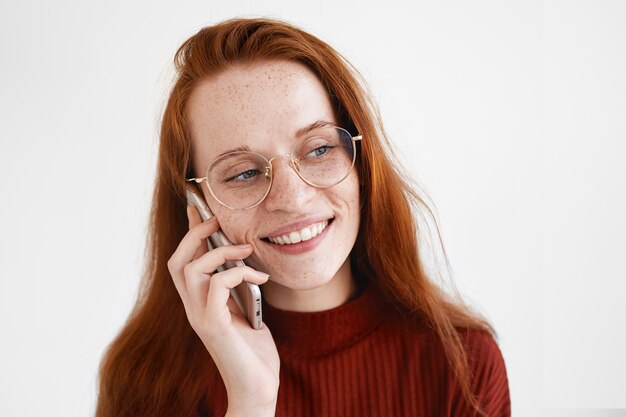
{"x": 305, "y": 233}
{"x": 294, "y": 237}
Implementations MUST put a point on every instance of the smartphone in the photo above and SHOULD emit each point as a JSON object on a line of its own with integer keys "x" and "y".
{"x": 247, "y": 295}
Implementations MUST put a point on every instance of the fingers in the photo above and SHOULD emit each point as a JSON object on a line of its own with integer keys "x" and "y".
{"x": 192, "y": 246}
{"x": 205, "y": 293}
{"x": 221, "y": 284}
{"x": 193, "y": 242}
{"x": 195, "y": 219}
{"x": 200, "y": 286}
{"x": 208, "y": 296}
{"x": 210, "y": 261}
{"x": 190, "y": 279}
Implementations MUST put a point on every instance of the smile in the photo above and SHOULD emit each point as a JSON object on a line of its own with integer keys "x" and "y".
{"x": 301, "y": 235}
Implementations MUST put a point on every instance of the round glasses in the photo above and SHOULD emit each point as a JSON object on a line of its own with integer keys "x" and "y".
{"x": 241, "y": 180}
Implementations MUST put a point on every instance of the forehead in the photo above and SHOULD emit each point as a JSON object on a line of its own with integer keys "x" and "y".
{"x": 254, "y": 106}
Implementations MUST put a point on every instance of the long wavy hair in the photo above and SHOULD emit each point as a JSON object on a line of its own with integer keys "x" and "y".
{"x": 157, "y": 365}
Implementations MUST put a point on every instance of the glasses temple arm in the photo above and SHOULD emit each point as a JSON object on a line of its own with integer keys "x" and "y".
{"x": 196, "y": 180}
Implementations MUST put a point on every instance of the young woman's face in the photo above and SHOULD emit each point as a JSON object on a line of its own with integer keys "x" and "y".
{"x": 262, "y": 107}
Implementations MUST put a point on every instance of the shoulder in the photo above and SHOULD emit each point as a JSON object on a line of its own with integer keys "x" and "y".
{"x": 483, "y": 352}
{"x": 488, "y": 371}
{"x": 485, "y": 362}
{"x": 481, "y": 348}
{"x": 425, "y": 359}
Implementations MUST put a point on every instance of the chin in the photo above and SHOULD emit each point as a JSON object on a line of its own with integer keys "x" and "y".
{"x": 304, "y": 285}
{"x": 307, "y": 281}
{"x": 329, "y": 275}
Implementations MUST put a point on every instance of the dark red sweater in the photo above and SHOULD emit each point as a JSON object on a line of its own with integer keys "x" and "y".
{"x": 365, "y": 358}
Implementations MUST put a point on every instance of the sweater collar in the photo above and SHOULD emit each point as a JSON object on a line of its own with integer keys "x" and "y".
{"x": 324, "y": 332}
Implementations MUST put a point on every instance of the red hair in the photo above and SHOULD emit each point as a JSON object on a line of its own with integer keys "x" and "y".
{"x": 157, "y": 365}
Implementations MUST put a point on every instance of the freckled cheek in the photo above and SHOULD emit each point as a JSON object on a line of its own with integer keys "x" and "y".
{"x": 348, "y": 192}
{"x": 234, "y": 227}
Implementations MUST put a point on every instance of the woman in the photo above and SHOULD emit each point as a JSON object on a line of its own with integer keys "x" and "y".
{"x": 352, "y": 323}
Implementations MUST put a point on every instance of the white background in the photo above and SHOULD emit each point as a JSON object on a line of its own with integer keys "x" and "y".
{"x": 510, "y": 114}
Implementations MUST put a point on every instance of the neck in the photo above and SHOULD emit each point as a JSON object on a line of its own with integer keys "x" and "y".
{"x": 340, "y": 289}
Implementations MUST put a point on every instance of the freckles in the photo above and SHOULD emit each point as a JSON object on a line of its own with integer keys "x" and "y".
{"x": 226, "y": 219}
{"x": 349, "y": 193}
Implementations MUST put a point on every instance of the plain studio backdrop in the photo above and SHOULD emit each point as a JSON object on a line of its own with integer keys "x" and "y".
{"x": 510, "y": 114}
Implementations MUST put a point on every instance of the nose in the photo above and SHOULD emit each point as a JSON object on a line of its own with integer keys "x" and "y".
{"x": 289, "y": 192}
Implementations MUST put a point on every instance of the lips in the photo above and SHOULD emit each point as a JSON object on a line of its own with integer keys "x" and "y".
{"x": 318, "y": 230}
{"x": 298, "y": 233}
{"x": 301, "y": 235}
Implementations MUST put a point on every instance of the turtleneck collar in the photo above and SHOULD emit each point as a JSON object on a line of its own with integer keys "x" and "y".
{"x": 324, "y": 332}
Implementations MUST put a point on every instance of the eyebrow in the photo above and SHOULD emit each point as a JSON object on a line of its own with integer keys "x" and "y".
{"x": 313, "y": 126}
{"x": 300, "y": 132}
{"x": 239, "y": 149}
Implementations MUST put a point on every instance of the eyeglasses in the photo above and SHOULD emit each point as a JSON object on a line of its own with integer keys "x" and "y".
{"x": 322, "y": 158}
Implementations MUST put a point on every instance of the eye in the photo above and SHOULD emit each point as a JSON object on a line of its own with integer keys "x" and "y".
{"x": 319, "y": 151}
{"x": 243, "y": 176}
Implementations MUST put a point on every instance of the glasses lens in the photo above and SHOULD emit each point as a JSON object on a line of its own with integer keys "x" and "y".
{"x": 238, "y": 180}
{"x": 325, "y": 156}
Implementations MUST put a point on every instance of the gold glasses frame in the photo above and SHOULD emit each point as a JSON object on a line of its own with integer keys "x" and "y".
{"x": 293, "y": 163}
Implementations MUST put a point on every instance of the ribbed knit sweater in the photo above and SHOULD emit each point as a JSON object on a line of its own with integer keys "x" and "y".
{"x": 366, "y": 358}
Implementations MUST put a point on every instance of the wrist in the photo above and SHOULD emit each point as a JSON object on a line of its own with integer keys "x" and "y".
{"x": 260, "y": 402}
{"x": 260, "y": 411}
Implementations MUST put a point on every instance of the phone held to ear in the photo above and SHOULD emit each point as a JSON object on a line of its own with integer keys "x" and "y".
{"x": 247, "y": 295}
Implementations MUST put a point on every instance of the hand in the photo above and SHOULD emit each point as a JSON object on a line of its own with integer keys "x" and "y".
{"x": 247, "y": 359}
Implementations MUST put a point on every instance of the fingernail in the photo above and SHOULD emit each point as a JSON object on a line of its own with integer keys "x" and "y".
{"x": 262, "y": 275}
